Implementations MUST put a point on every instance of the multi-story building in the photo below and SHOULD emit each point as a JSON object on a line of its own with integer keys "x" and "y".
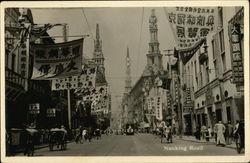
{"x": 20, "y": 89}
{"x": 211, "y": 77}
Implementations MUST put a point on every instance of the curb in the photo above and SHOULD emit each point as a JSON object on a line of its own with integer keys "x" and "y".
{"x": 210, "y": 143}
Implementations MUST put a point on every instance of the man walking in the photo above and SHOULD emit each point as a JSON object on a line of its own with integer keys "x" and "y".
{"x": 220, "y": 130}
{"x": 229, "y": 133}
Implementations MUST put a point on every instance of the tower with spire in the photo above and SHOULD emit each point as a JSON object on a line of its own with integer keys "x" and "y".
{"x": 128, "y": 75}
{"x": 98, "y": 54}
{"x": 154, "y": 56}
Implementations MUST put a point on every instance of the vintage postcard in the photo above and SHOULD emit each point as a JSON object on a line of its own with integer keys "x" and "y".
{"x": 125, "y": 81}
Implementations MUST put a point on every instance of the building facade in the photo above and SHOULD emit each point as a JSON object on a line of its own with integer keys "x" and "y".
{"x": 21, "y": 91}
{"x": 135, "y": 103}
{"x": 210, "y": 79}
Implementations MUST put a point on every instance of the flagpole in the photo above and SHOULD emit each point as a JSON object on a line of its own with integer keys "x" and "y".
{"x": 65, "y": 39}
{"x": 27, "y": 57}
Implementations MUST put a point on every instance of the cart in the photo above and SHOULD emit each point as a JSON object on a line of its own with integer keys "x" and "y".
{"x": 58, "y": 138}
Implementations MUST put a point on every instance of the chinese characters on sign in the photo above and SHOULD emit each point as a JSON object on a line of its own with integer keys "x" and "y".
{"x": 176, "y": 90}
{"x": 57, "y": 60}
{"x": 51, "y": 112}
{"x": 236, "y": 52}
{"x": 22, "y": 60}
{"x": 190, "y": 24}
{"x": 168, "y": 100}
{"x": 34, "y": 108}
{"x": 85, "y": 80}
{"x": 158, "y": 112}
{"x": 152, "y": 105}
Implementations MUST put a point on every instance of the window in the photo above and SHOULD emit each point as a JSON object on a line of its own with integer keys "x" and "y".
{"x": 195, "y": 70}
{"x": 228, "y": 113}
{"x": 216, "y": 68}
{"x": 6, "y": 58}
{"x": 220, "y": 17}
{"x": 224, "y": 62}
{"x": 221, "y": 37}
{"x": 201, "y": 79}
{"x": 13, "y": 61}
{"x": 153, "y": 60}
{"x": 213, "y": 48}
{"x": 207, "y": 73}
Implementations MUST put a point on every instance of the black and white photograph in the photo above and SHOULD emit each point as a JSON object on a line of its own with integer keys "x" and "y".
{"x": 140, "y": 80}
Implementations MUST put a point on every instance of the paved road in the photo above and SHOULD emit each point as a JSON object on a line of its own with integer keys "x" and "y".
{"x": 137, "y": 145}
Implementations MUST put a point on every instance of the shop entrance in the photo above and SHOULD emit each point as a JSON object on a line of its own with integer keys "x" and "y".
{"x": 218, "y": 115}
{"x": 188, "y": 124}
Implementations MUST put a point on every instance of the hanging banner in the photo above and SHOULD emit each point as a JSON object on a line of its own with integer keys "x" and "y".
{"x": 152, "y": 105}
{"x": 95, "y": 93}
{"x": 85, "y": 80}
{"x": 58, "y": 60}
{"x": 158, "y": 110}
{"x": 191, "y": 24}
{"x": 22, "y": 60}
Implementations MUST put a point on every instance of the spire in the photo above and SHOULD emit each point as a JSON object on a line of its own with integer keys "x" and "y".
{"x": 127, "y": 52}
{"x": 128, "y": 77}
{"x": 98, "y": 42}
{"x": 97, "y": 32}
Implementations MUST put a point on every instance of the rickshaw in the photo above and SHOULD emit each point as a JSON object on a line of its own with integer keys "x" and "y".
{"x": 30, "y": 134}
{"x": 58, "y": 138}
{"x": 166, "y": 135}
{"x": 240, "y": 137}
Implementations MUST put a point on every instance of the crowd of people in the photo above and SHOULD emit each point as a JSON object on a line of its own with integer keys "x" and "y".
{"x": 86, "y": 134}
{"x": 222, "y": 133}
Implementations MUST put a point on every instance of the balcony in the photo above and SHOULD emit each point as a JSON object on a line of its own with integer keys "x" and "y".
{"x": 14, "y": 78}
{"x": 15, "y": 84}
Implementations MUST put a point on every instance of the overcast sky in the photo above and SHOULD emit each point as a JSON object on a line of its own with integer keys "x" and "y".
{"x": 119, "y": 28}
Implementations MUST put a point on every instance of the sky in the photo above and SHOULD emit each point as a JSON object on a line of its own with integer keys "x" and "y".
{"x": 119, "y": 28}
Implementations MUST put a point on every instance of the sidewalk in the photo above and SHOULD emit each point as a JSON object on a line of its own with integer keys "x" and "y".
{"x": 45, "y": 145}
{"x": 211, "y": 141}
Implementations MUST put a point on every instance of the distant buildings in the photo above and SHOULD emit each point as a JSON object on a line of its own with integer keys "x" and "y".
{"x": 202, "y": 90}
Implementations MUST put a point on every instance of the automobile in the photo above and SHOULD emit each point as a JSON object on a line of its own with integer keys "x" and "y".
{"x": 130, "y": 129}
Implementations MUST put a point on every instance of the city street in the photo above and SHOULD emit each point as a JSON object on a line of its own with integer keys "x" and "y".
{"x": 137, "y": 145}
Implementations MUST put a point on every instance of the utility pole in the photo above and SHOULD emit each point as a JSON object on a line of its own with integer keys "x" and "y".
{"x": 65, "y": 39}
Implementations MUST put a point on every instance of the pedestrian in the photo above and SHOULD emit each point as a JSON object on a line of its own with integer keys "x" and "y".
{"x": 198, "y": 133}
{"x": 203, "y": 130}
{"x": 209, "y": 132}
{"x": 220, "y": 130}
{"x": 215, "y": 133}
{"x": 84, "y": 134}
{"x": 236, "y": 127}
{"x": 229, "y": 133}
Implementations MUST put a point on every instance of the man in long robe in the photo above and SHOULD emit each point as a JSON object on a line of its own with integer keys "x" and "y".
{"x": 220, "y": 130}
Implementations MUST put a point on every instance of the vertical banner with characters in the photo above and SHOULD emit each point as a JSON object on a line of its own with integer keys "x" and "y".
{"x": 59, "y": 60}
{"x": 191, "y": 24}
{"x": 158, "y": 110}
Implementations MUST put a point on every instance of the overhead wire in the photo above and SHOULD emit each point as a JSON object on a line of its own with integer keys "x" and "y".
{"x": 87, "y": 23}
{"x": 139, "y": 51}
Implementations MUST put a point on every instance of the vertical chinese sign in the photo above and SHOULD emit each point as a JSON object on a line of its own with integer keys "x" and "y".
{"x": 158, "y": 111}
{"x": 57, "y": 60}
{"x": 236, "y": 39}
